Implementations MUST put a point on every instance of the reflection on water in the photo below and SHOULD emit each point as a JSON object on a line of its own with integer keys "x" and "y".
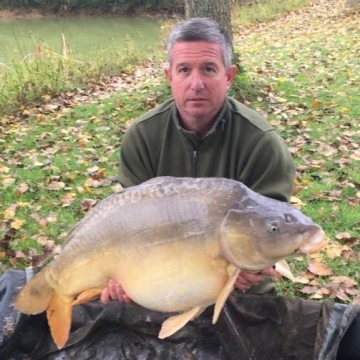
{"x": 84, "y": 35}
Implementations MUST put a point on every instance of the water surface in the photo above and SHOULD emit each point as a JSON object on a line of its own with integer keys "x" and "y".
{"x": 84, "y": 35}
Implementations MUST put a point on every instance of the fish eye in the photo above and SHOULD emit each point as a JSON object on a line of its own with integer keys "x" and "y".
{"x": 273, "y": 226}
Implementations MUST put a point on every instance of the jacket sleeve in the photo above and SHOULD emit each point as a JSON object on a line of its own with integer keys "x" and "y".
{"x": 270, "y": 169}
{"x": 135, "y": 164}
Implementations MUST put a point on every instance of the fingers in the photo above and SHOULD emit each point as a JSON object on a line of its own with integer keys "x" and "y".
{"x": 268, "y": 271}
{"x": 114, "y": 291}
{"x": 246, "y": 280}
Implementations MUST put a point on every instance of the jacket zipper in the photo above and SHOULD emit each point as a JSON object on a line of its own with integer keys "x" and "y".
{"x": 195, "y": 160}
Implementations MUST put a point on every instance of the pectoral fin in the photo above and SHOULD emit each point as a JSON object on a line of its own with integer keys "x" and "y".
{"x": 59, "y": 318}
{"x": 225, "y": 292}
{"x": 283, "y": 268}
{"x": 175, "y": 323}
{"x": 88, "y": 295}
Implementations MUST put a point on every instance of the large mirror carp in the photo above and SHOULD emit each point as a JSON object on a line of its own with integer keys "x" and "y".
{"x": 175, "y": 245}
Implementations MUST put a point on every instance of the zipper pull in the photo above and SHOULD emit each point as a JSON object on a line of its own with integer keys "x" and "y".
{"x": 223, "y": 124}
{"x": 195, "y": 156}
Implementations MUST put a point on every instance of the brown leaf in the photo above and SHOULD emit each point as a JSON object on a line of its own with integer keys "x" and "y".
{"x": 345, "y": 281}
{"x": 23, "y": 187}
{"x": 56, "y": 185}
{"x": 345, "y": 236}
{"x": 309, "y": 290}
{"x": 67, "y": 199}
{"x": 319, "y": 269}
{"x": 87, "y": 204}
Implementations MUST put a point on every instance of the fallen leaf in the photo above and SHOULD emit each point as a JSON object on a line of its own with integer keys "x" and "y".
{"x": 17, "y": 223}
{"x": 56, "y": 185}
{"x": 320, "y": 269}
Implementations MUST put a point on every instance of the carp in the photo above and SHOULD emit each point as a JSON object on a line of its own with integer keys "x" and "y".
{"x": 174, "y": 244}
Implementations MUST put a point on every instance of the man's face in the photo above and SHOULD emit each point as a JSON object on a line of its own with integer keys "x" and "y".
{"x": 198, "y": 80}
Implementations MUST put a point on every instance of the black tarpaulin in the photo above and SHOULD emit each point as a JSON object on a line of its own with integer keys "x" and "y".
{"x": 250, "y": 327}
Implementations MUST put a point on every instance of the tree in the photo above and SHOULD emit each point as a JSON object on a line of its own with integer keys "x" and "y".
{"x": 218, "y": 10}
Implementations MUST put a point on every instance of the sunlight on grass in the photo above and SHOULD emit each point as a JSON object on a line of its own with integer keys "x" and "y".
{"x": 264, "y": 11}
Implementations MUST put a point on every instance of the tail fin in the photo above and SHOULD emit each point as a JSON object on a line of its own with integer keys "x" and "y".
{"x": 35, "y": 296}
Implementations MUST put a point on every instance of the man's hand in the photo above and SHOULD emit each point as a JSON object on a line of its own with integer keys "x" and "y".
{"x": 246, "y": 280}
{"x": 114, "y": 291}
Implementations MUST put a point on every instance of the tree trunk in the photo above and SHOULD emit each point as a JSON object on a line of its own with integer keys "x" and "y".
{"x": 218, "y": 10}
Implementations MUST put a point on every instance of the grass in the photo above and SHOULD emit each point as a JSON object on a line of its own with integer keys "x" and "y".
{"x": 263, "y": 11}
{"x": 55, "y": 163}
{"x": 47, "y": 73}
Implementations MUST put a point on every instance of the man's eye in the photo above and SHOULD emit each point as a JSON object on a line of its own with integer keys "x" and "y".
{"x": 184, "y": 70}
{"x": 209, "y": 69}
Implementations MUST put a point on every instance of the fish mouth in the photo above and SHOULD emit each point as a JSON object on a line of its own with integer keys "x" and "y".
{"x": 316, "y": 243}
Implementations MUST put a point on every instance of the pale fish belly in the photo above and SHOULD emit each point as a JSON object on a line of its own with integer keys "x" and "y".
{"x": 174, "y": 276}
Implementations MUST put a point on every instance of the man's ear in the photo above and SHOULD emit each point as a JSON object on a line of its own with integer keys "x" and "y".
{"x": 230, "y": 75}
{"x": 167, "y": 72}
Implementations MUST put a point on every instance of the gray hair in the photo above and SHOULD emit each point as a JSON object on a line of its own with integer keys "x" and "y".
{"x": 201, "y": 29}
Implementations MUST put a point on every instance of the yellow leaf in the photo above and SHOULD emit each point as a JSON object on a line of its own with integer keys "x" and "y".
{"x": 8, "y": 181}
{"x": 9, "y": 213}
{"x": 23, "y": 203}
{"x": 4, "y": 169}
{"x": 295, "y": 201}
{"x": 17, "y": 223}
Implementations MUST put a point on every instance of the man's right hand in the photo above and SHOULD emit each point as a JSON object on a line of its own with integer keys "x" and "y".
{"x": 114, "y": 291}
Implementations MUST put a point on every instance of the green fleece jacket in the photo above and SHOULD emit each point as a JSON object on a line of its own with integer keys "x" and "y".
{"x": 242, "y": 145}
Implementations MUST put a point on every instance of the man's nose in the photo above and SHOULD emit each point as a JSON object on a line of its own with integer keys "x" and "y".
{"x": 196, "y": 81}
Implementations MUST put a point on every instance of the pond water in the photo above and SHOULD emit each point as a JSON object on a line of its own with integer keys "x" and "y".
{"x": 84, "y": 36}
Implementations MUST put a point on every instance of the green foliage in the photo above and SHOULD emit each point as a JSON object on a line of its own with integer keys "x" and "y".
{"x": 257, "y": 11}
{"x": 47, "y": 74}
{"x": 104, "y": 6}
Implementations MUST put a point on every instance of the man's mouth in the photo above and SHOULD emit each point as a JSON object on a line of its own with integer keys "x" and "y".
{"x": 197, "y": 99}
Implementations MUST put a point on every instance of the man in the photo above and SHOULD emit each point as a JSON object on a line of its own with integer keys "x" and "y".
{"x": 201, "y": 132}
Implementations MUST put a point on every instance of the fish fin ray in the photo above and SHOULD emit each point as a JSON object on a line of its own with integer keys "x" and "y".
{"x": 176, "y": 322}
{"x": 87, "y": 295}
{"x": 59, "y": 315}
{"x": 225, "y": 292}
{"x": 283, "y": 268}
{"x": 35, "y": 295}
